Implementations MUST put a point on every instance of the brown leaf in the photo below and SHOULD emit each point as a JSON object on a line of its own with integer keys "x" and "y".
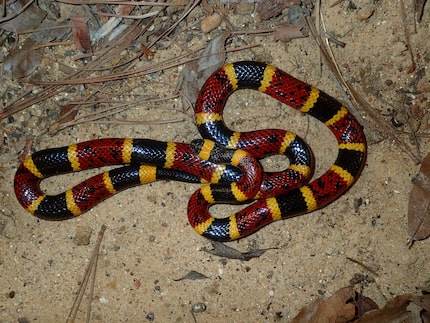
{"x": 125, "y": 10}
{"x": 67, "y": 113}
{"x": 285, "y": 33}
{"x": 21, "y": 62}
{"x": 269, "y": 9}
{"x": 81, "y": 36}
{"x": 419, "y": 204}
{"x": 336, "y": 308}
{"x": 398, "y": 309}
{"x": 363, "y": 304}
{"x": 28, "y": 19}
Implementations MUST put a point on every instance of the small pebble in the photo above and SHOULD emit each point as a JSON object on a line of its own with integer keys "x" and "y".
{"x": 389, "y": 82}
{"x": 366, "y": 12}
{"x": 211, "y": 22}
{"x": 82, "y": 236}
{"x": 150, "y": 316}
{"x": 198, "y": 308}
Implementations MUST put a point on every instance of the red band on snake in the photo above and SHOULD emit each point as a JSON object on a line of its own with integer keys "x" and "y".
{"x": 228, "y": 160}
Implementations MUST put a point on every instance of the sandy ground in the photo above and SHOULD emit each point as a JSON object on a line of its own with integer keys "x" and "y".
{"x": 148, "y": 244}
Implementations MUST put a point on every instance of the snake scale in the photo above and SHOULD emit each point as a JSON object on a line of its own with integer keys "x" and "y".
{"x": 226, "y": 161}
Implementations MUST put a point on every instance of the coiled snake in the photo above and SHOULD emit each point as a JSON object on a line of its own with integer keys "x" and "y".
{"x": 227, "y": 159}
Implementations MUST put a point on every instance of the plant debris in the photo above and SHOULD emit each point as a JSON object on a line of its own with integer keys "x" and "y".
{"x": 336, "y": 308}
{"x": 286, "y": 32}
{"x": 22, "y": 61}
{"x": 81, "y": 35}
{"x": 402, "y": 308}
{"x": 192, "y": 275}
{"x": 269, "y": 9}
{"x": 76, "y": 62}
{"x": 419, "y": 8}
{"x": 419, "y": 204}
{"x": 346, "y": 305}
{"x": 195, "y": 73}
{"x": 22, "y": 16}
{"x": 222, "y": 250}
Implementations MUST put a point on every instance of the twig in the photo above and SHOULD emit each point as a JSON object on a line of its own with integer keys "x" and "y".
{"x": 187, "y": 10}
{"x": 357, "y": 99}
{"x": 148, "y": 69}
{"x": 90, "y": 271}
{"x": 111, "y": 110}
{"x": 118, "y": 2}
{"x": 147, "y": 15}
{"x": 17, "y": 13}
{"x": 54, "y": 88}
{"x": 364, "y": 266}
{"x": 407, "y": 37}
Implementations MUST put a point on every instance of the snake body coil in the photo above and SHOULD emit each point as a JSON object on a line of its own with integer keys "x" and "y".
{"x": 227, "y": 159}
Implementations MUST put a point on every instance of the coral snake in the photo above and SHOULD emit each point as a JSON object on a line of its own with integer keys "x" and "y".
{"x": 226, "y": 161}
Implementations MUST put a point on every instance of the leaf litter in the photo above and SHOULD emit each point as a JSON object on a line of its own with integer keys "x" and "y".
{"x": 419, "y": 204}
{"x": 347, "y": 305}
{"x": 198, "y": 66}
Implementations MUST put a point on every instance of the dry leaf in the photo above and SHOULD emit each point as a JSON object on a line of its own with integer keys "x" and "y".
{"x": 21, "y": 62}
{"x": 363, "y": 304}
{"x": 347, "y": 306}
{"x": 269, "y": 9}
{"x": 28, "y": 19}
{"x": 285, "y": 32}
{"x": 222, "y": 250}
{"x": 419, "y": 204}
{"x": 67, "y": 113}
{"x": 192, "y": 275}
{"x": 49, "y": 31}
{"x": 195, "y": 73}
{"x": 81, "y": 36}
{"x": 336, "y": 308}
{"x": 403, "y": 308}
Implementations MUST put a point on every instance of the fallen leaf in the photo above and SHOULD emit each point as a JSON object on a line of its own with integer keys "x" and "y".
{"x": 28, "y": 19}
{"x": 81, "y": 36}
{"x": 336, "y": 308}
{"x": 222, "y": 250}
{"x": 419, "y": 204}
{"x": 363, "y": 304}
{"x": 67, "y": 113}
{"x": 192, "y": 275}
{"x": 399, "y": 309}
{"x": 269, "y": 9}
{"x": 22, "y": 61}
{"x": 285, "y": 32}
{"x": 194, "y": 74}
{"x": 49, "y": 31}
